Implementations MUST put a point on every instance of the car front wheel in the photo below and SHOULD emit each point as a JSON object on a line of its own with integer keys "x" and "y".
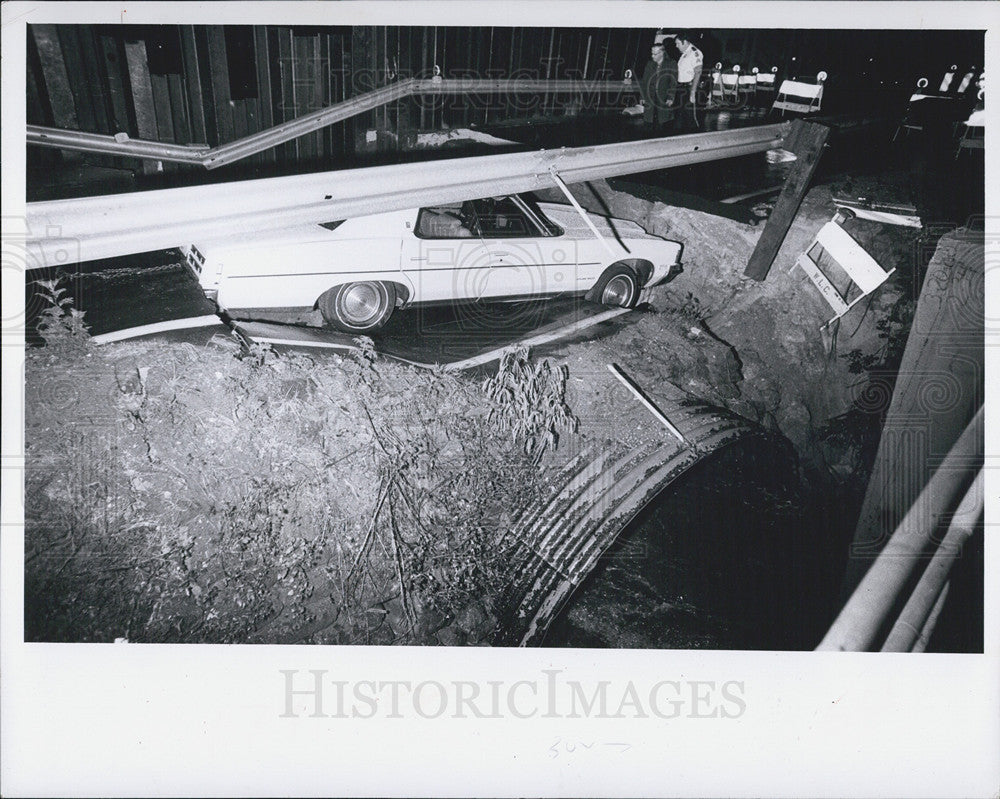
{"x": 619, "y": 288}
{"x": 358, "y": 307}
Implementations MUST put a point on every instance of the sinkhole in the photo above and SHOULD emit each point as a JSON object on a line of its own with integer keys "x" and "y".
{"x": 719, "y": 559}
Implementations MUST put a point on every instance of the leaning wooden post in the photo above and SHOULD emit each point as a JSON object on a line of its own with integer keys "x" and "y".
{"x": 806, "y": 140}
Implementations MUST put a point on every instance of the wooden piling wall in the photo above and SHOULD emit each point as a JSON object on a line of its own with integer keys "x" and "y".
{"x": 214, "y": 84}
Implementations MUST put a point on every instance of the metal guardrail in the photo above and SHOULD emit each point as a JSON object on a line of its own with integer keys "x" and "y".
{"x": 63, "y": 232}
{"x": 916, "y": 621}
{"x": 213, "y": 157}
{"x": 861, "y": 624}
{"x": 119, "y": 144}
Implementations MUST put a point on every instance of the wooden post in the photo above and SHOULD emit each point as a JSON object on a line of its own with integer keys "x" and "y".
{"x": 261, "y": 52}
{"x": 253, "y": 126}
{"x": 218, "y": 83}
{"x": 287, "y": 110}
{"x": 325, "y": 94}
{"x": 345, "y": 136}
{"x": 178, "y": 109}
{"x": 423, "y": 71}
{"x": 807, "y": 139}
{"x": 93, "y": 64}
{"x": 116, "y": 86}
{"x": 55, "y": 76}
{"x": 110, "y": 67}
{"x": 305, "y": 55}
{"x": 161, "y": 105}
{"x": 164, "y": 115}
{"x": 142, "y": 96}
{"x": 85, "y": 103}
{"x": 318, "y": 91}
{"x": 265, "y": 106}
{"x": 240, "y": 125}
{"x": 361, "y": 80}
{"x": 192, "y": 82}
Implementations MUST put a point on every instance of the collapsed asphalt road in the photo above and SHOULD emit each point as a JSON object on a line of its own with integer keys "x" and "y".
{"x": 119, "y": 295}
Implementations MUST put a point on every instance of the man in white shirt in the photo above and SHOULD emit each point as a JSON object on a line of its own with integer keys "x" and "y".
{"x": 688, "y": 71}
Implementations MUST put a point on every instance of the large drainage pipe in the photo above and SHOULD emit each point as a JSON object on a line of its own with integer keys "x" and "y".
{"x": 592, "y": 499}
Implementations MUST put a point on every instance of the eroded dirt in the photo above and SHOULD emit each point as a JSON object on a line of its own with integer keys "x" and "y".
{"x": 753, "y": 347}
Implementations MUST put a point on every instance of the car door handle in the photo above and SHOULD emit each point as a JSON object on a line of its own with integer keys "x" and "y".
{"x": 503, "y": 254}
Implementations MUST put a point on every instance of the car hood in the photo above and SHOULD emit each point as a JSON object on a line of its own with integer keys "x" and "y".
{"x": 569, "y": 220}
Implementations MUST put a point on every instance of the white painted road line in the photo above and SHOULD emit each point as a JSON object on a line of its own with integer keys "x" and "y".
{"x": 534, "y": 341}
{"x": 329, "y": 345}
{"x": 158, "y": 327}
{"x": 468, "y": 363}
{"x": 640, "y": 395}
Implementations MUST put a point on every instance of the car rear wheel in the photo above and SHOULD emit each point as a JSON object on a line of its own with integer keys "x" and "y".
{"x": 619, "y": 288}
{"x": 358, "y": 307}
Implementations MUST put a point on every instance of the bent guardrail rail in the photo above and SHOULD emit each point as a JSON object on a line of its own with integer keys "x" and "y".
{"x": 120, "y": 224}
{"x": 213, "y": 157}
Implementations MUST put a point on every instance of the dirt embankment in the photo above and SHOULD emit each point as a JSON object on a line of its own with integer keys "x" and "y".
{"x": 205, "y": 494}
{"x": 753, "y": 347}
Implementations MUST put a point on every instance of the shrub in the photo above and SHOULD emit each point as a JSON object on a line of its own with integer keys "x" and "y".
{"x": 60, "y": 325}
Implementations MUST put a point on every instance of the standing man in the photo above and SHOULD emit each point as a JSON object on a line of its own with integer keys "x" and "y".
{"x": 688, "y": 75}
{"x": 658, "y": 88}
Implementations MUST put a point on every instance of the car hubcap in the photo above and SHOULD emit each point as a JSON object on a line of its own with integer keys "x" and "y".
{"x": 361, "y": 303}
{"x": 618, "y": 291}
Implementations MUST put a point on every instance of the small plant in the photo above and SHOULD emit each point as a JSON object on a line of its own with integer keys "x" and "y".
{"x": 61, "y": 325}
{"x": 366, "y": 356}
{"x": 259, "y": 355}
{"x": 529, "y": 401}
{"x": 690, "y": 309}
{"x": 858, "y": 362}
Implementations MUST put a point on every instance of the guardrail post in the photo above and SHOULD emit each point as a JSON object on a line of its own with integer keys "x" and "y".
{"x": 806, "y": 140}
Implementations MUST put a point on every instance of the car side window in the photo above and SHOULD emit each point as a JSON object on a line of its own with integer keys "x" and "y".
{"x": 445, "y": 222}
{"x": 500, "y": 218}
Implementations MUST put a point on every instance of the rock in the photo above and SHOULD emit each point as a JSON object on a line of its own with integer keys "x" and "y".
{"x": 429, "y": 621}
{"x": 763, "y": 393}
{"x": 795, "y": 422}
{"x": 795, "y": 335}
{"x": 724, "y": 371}
{"x": 452, "y": 636}
{"x": 475, "y": 622}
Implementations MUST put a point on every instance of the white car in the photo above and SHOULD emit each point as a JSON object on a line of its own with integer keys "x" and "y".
{"x": 357, "y": 271}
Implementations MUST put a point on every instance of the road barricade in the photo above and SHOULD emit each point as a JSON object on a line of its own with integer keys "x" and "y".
{"x": 800, "y": 96}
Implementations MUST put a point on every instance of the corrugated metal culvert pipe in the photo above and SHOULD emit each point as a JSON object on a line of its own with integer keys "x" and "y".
{"x": 597, "y": 495}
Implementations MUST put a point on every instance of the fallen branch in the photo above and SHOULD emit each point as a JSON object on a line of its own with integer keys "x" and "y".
{"x": 403, "y": 593}
{"x": 383, "y": 493}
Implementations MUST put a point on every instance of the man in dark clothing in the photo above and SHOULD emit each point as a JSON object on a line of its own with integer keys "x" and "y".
{"x": 658, "y": 88}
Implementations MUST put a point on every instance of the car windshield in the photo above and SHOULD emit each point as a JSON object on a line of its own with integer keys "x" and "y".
{"x": 531, "y": 207}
